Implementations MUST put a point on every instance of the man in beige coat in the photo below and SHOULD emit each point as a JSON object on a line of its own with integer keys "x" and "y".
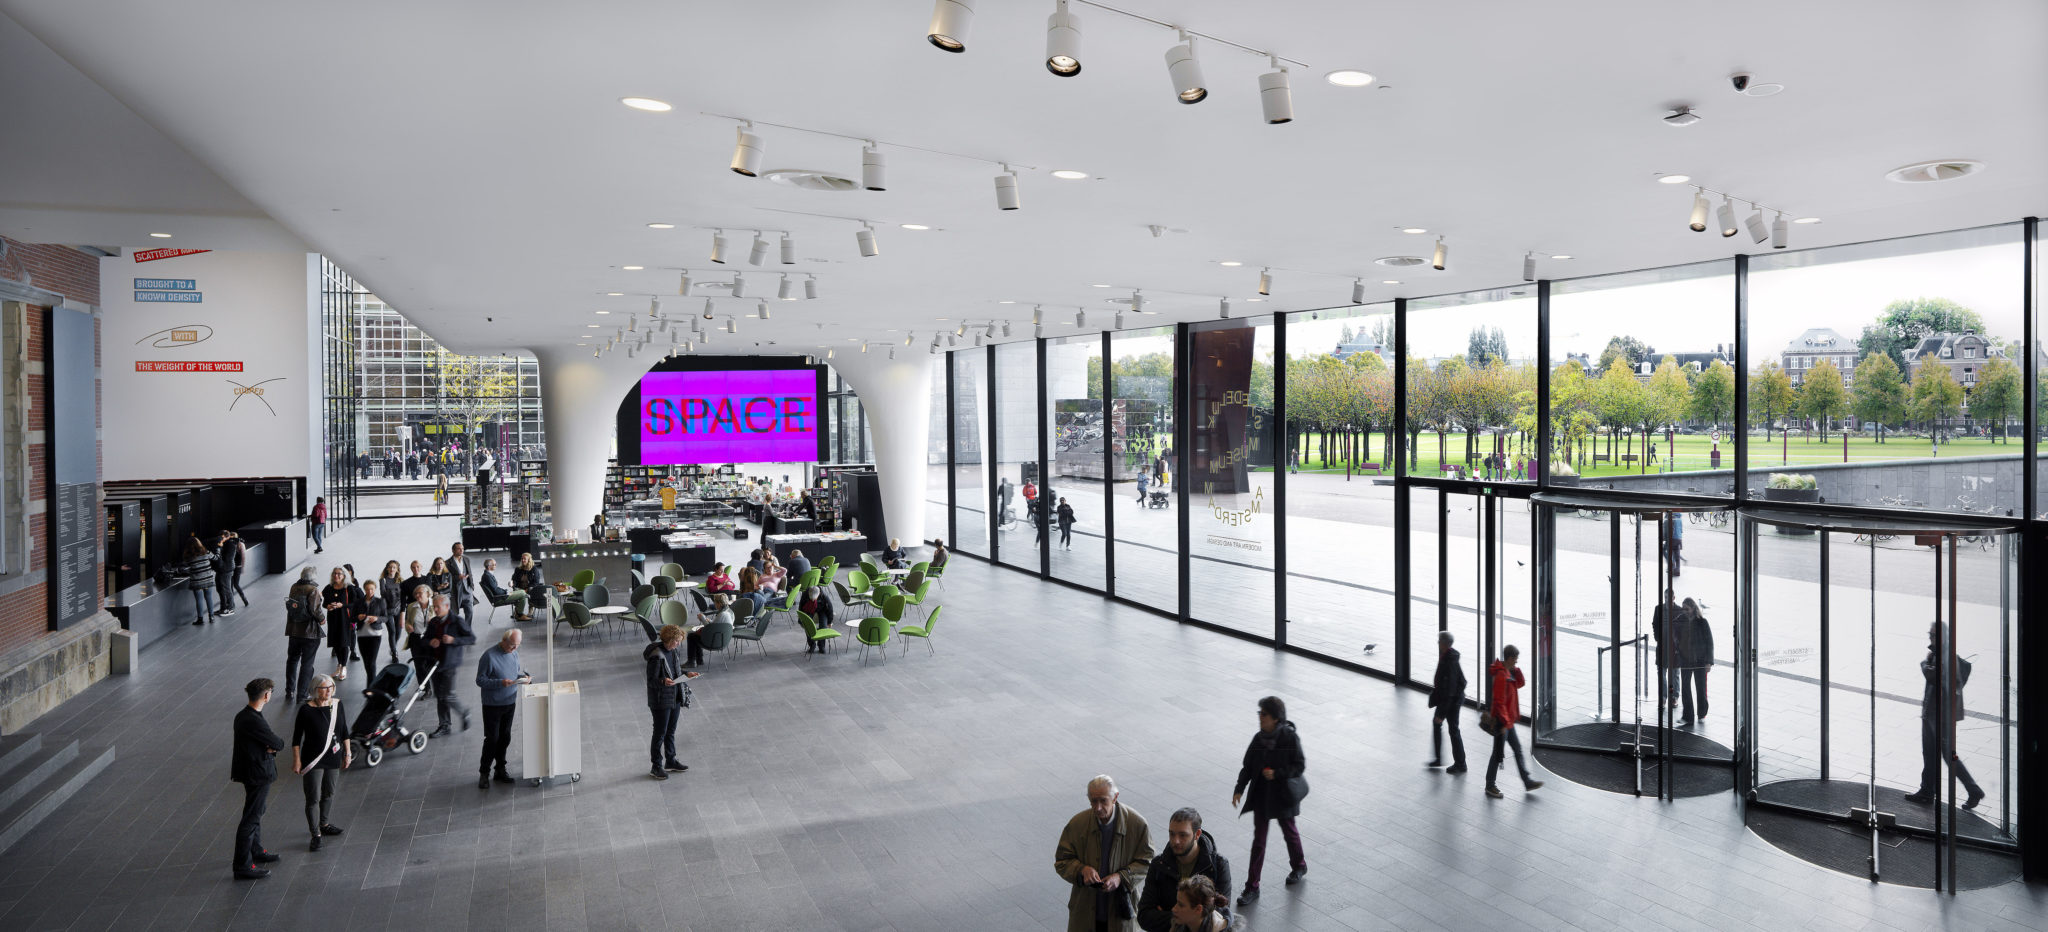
{"x": 1103, "y": 852}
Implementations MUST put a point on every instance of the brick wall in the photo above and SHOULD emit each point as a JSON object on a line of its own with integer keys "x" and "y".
{"x": 24, "y": 614}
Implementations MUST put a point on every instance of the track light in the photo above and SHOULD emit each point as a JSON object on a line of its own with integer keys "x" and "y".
{"x": 683, "y": 284}
{"x": 1037, "y": 331}
{"x": 1006, "y": 330}
{"x": 1119, "y": 320}
{"x": 1063, "y": 42}
{"x": 786, "y": 290}
{"x": 630, "y": 321}
{"x": 950, "y": 21}
{"x": 1265, "y": 281}
{"x": 873, "y": 173}
{"x": 1274, "y": 96}
{"x": 1037, "y": 312}
{"x": 718, "y": 247}
{"x": 1726, "y": 214}
{"x": 1006, "y": 190}
{"x": 1437, "y": 261}
{"x": 1223, "y": 309}
{"x": 739, "y": 286}
{"x": 596, "y": 354}
{"x": 863, "y": 346}
{"x": 762, "y": 310}
{"x": 654, "y": 306}
{"x": 960, "y": 331}
{"x": 1529, "y": 267}
{"x": 952, "y": 340}
{"x": 892, "y": 352}
{"x": 1138, "y": 301}
{"x": 1780, "y": 232}
{"x": 811, "y": 287}
{"x": 1699, "y": 211}
{"x": 989, "y": 331}
{"x": 912, "y": 335}
{"x": 1186, "y": 71}
{"x": 829, "y": 353}
{"x": 732, "y": 325}
{"x": 866, "y": 236}
{"x": 760, "y": 251}
{"x": 746, "y": 153}
{"x": 788, "y": 250}
{"x": 1357, "y": 291}
{"x": 1758, "y": 229}
{"x": 1080, "y": 319}
{"x": 707, "y": 308}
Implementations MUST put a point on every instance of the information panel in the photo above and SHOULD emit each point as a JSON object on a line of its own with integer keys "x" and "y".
{"x": 728, "y": 416}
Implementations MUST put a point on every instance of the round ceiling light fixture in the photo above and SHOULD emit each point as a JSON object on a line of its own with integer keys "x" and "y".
{"x": 1388, "y": 281}
{"x": 915, "y": 226}
{"x": 1413, "y": 230}
{"x": 1673, "y": 179}
{"x": 631, "y": 268}
{"x": 161, "y": 235}
{"x": 810, "y": 179}
{"x": 661, "y": 226}
{"x": 1561, "y": 256}
{"x": 648, "y": 104}
{"x": 1349, "y": 77}
{"x": 614, "y": 294}
{"x": 1230, "y": 264}
{"x": 1400, "y": 262}
{"x": 1934, "y": 170}
{"x": 1068, "y": 174}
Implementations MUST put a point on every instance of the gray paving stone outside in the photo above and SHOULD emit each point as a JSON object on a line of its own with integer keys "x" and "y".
{"x": 920, "y": 792}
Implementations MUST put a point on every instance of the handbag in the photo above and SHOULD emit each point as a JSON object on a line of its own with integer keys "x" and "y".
{"x": 1489, "y": 723}
{"x": 1297, "y": 786}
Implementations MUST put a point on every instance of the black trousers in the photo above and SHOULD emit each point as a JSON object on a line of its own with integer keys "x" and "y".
{"x": 662, "y": 747}
{"x": 1930, "y": 760}
{"x": 235, "y": 579}
{"x": 444, "y": 695}
{"x": 319, "y": 783}
{"x": 1509, "y": 738}
{"x": 1693, "y": 682}
{"x": 1066, "y": 535}
{"x": 497, "y": 737}
{"x": 369, "y": 645}
{"x": 1447, "y": 717}
{"x": 300, "y": 654}
{"x": 249, "y": 832}
{"x": 696, "y": 646}
{"x": 421, "y": 663}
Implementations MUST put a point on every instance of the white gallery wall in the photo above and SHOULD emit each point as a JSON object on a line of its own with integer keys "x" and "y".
{"x": 210, "y": 362}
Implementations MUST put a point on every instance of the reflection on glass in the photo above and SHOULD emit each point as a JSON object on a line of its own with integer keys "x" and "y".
{"x": 1144, "y": 466}
{"x": 970, "y": 437}
{"x": 1889, "y": 374}
{"x": 1078, "y": 441}
{"x": 1233, "y": 444}
{"x": 935, "y": 507}
{"x": 1022, "y": 510}
{"x": 1471, "y": 362}
{"x": 1340, "y": 510}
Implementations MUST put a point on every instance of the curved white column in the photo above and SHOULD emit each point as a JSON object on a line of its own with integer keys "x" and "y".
{"x": 579, "y": 398}
{"x": 897, "y": 396}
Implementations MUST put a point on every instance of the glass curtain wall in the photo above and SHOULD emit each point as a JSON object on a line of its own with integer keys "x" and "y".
{"x": 970, "y": 437}
{"x": 1139, "y": 386}
{"x": 937, "y": 455}
{"x": 344, "y": 460}
{"x": 1233, "y": 444}
{"x": 1020, "y": 486}
{"x": 1471, "y": 402}
{"x": 1339, "y": 446}
{"x": 1079, "y": 457}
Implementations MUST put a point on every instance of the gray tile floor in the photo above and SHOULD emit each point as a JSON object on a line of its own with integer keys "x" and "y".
{"x": 924, "y": 792}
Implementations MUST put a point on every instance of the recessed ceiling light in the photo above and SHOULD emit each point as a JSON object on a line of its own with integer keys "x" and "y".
{"x": 1560, "y": 257}
{"x": 614, "y": 294}
{"x": 1807, "y": 220}
{"x": 1389, "y": 281}
{"x": 1230, "y": 265}
{"x": 915, "y": 226}
{"x": 661, "y": 226}
{"x": 161, "y": 235}
{"x": 938, "y": 318}
{"x": 1069, "y": 174}
{"x": 593, "y": 326}
{"x": 648, "y": 104}
{"x": 1348, "y": 78}
{"x": 1673, "y": 179}
{"x": 1103, "y": 286}
{"x": 1006, "y": 302}
{"x": 1413, "y": 230}
{"x": 632, "y": 268}
{"x": 601, "y": 312}
{"x": 1255, "y": 299}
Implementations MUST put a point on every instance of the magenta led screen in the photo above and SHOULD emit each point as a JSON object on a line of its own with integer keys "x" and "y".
{"x": 734, "y": 416}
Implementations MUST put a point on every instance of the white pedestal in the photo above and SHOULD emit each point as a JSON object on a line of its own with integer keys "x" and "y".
{"x": 551, "y": 730}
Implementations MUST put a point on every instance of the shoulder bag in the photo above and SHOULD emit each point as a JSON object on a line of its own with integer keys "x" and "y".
{"x": 1489, "y": 723}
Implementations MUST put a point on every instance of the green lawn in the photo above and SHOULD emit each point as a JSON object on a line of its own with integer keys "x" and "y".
{"x": 1693, "y": 452}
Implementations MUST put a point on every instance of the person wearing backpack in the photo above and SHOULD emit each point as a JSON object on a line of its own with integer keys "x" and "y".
{"x": 303, "y": 633}
{"x": 1937, "y": 737}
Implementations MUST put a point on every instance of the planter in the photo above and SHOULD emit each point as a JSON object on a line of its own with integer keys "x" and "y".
{"x": 1792, "y": 495}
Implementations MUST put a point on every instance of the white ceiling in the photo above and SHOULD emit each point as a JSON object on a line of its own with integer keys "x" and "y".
{"x": 470, "y": 160}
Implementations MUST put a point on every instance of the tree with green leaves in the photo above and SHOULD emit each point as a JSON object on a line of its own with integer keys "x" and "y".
{"x": 1999, "y": 394}
{"x": 1426, "y": 410}
{"x": 1628, "y": 348}
{"x": 1822, "y": 395}
{"x": 1620, "y": 400}
{"x": 474, "y": 390}
{"x": 1771, "y": 395}
{"x": 1903, "y": 322}
{"x": 1879, "y": 394}
{"x": 1936, "y": 396}
{"x": 1484, "y": 345}
{"x": 1572, "y": 415}
{"x": 1713, "y": 394}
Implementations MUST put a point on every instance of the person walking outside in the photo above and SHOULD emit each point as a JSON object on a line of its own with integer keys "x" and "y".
{"x": 1677, "y": 523}
{"x": 320, "y": 751}
{"x": 1273, "y": 773}
{"x": 1447, "y": 697}
{"x": 254, "y": 766}
{"x": 1505, "y": 704}
{"x": 196, "y": 565}
{"x": 303, "y": 618}
{"x": 1066, "y": 516}
{"x": 1190, "y": 852}
{"x": 499, "y": 675}
{"x": 1102, "y": 851}
{"x": 1937, "y": 737}
{"x": 1144, "y": 479}
{"x": 319, "y": 520}
{"x": 447, "y": 637}
{"x": 666, "y": 692}
{"x": 1696, "y": 660}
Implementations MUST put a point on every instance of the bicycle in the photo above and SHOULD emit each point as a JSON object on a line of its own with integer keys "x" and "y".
{"x": 1716, "y": 520}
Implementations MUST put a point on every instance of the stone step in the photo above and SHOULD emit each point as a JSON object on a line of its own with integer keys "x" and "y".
{"x": 43, "y": 798}
{"x": 16, "y": 784}
{"x": 17, "y": 748}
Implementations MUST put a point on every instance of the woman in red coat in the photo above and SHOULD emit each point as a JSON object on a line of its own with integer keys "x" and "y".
{"x": 1505, "y": 703}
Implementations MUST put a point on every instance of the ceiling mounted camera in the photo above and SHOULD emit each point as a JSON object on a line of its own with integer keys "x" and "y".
{"x": 1741, "y": 81}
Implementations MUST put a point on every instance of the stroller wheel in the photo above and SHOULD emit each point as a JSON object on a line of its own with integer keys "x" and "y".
{"x": 418, "y": 742}
{"x": 373, "y": 755}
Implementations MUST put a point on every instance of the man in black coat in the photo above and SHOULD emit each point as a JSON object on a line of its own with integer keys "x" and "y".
{"x": 1189, "y": 851}
{"x": 1447, "y": 697}
{"x": 1937, "y": 737}
{"x": 254, "y": 766}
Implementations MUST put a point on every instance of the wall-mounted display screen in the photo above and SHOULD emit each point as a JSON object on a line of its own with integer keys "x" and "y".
{"x": 725, "y": 416}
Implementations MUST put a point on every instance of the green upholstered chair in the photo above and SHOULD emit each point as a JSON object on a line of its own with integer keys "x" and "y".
{"x": 912, "y": 631}
{"x": 812, "y": 632}
{"x": 873, "y": 632}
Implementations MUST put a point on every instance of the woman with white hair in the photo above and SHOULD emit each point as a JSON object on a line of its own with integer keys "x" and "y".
{"x": 320, "y": 750}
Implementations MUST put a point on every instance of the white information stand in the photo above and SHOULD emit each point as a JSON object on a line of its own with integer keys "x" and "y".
{"x": 551, "y": 725}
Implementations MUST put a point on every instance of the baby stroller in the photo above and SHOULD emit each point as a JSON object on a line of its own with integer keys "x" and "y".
{"x": 1156, "y": 500}
{"x": 381, "y": 725}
